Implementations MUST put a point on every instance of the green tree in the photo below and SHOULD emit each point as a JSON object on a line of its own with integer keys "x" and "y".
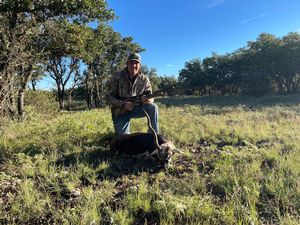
{"x": 266, "y": 65}
{"x": 287, "y": 76}
{"x": 38, "y": 73}
{"x": 153, "y": 77}
{"x": 65, "y": 43}
{"x": 191, "y": 77}
{"x": 170, "y": 84}
{"x": 259, "y": 57}
{"x": 22, "y": 27}
{"x": 106, "y": 53}
{"x": 61, "y": 69}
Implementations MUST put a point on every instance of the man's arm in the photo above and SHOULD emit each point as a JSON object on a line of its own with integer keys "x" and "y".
{"x": 113, "y": 92}
{"x": 148, "y": 87}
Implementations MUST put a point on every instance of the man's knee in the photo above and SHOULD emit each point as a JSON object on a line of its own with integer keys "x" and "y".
{"x": 121, "y": 124}
{"x": 151, "y": 108}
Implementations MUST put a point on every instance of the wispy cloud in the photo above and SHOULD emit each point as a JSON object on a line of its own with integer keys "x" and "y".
{"x": 204, "y": 5}
{"x": 169, "y": 65}
{"x": 253, "y": 18}
{"x": 214, "y": 3}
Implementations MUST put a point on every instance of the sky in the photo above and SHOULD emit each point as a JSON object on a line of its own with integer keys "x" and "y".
{"x": 174, "y": 32}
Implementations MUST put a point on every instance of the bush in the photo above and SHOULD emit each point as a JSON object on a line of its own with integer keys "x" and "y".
{"x": 41, "y": 102}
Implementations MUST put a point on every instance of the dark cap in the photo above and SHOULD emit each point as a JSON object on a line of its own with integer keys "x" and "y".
{"x": 134, "y": 57}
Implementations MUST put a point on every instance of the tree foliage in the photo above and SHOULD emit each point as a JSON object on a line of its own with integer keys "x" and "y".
{"x": 265, "y": 66}
{"x": 24, "y": 38}
{"x": 105, "y": 53}
{"x": 54, "y": 36}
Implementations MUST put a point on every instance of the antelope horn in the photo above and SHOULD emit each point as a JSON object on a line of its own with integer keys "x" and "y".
{"x": 153, "y": 131}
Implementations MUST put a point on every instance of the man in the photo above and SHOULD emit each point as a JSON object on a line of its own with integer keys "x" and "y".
{"x": 127, "y": 83}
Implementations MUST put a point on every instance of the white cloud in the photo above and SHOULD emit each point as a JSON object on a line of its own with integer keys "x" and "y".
{"x": 169, "y": 65}
{"x": 205, "y": 4}
{"x": 215, "y": 3}
{"x": 253, "y": 18}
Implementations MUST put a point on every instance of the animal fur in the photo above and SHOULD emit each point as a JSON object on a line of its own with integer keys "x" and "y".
{"x": 145, "y": 144}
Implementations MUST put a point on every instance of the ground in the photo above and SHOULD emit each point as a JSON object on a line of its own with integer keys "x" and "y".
{"x": 240, "y": 166}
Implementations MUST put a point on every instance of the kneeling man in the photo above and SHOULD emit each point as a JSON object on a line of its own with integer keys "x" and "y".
{"x": 127, "y": 83}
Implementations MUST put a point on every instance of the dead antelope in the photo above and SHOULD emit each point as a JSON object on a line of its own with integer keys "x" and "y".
{"x": 145, "y": 144}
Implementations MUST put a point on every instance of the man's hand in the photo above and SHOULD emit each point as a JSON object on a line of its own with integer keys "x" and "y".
{"x": 128, "y": 106}
{"x": 146, "y": 100}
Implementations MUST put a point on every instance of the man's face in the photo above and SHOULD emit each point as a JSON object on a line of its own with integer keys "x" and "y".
{"x": 133, "y": 67}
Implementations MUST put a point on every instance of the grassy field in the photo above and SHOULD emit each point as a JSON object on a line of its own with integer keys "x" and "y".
{"x": 241, "y": 165}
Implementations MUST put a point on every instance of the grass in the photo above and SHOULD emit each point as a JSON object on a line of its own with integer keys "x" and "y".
{"x": 240, "y": 165}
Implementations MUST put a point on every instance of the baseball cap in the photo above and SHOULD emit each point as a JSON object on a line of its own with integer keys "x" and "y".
{"x": 134, "y": 57}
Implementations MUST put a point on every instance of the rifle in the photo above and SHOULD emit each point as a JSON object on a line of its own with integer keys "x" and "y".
{"x": 137, "y": 99}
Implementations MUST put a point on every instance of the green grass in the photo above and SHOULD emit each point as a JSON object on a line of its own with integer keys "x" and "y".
{"x": 240, "y": 165}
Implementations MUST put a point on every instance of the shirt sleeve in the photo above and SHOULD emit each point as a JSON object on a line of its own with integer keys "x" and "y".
{"x": 148, "y": 85}
{"x": 112, "y": 92}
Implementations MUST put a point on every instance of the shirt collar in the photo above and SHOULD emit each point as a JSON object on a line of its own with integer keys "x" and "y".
{"x": 130, "y": 78}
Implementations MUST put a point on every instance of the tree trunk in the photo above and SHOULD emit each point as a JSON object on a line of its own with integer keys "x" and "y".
{"x": 20, "y": 102}
{"x": 33, "y": 84}
{"x": 60, "y": 95}
{"x": 61, "y": 101}
{"x": 11, "y": 103}
{"x": 69, "y": 100}
{"x": 89, "y": 98}
{"x": 6, "y": 93}
{"x": 89, "y": 89}
{"x": 97, "y": 95}
{"x": 21, "y": 91}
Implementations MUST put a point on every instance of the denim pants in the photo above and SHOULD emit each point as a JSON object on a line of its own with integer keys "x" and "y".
{"x": 122, "y": 122}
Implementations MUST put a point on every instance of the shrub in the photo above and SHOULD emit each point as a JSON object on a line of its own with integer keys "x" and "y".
{"x": 41, "y": 102}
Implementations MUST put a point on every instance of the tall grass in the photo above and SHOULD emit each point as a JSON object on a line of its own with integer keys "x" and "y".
{"x": 240, "y": 166}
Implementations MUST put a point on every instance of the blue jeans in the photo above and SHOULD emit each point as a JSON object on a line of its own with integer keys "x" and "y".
{"x": 122, "y": 122}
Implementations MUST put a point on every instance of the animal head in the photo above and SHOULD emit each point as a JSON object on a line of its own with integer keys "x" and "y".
{"x": 164, "y": 151}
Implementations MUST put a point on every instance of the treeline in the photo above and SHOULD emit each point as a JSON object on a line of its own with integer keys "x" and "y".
{"x": 54, "y": 38}
{"x": 269, "y": 65}
{"x": 39, "y": 38}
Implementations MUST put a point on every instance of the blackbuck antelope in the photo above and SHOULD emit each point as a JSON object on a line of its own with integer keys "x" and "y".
{"x": 145, "y": 145}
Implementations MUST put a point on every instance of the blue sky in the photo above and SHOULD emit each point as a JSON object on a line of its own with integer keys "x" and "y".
{"x": 176, "y": 31}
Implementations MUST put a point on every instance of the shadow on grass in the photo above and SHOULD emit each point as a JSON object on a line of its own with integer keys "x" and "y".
{"x": 251, "y": 102}
{"x": 117, "y": 165}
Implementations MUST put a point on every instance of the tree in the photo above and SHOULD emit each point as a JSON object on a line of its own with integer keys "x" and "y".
{"x": 66, "y": 47}
{"x": 259, "y": 58}
{"x": 38, "y": 73}
{"x": 76, "y": 81}
{"x": 220, "y": 75}
{"x": 22, "y": 28}
{"x": 287, "y": 63}
{"x": 106, "y": 53}
{"x": 266, "y": 65}
{"x": 170, "y": 85}
{"x": 19, "y": 53}
{"x": 61, "y": 69}
{"x": 191, "y": 77}
{"x": 153, "y": 77}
